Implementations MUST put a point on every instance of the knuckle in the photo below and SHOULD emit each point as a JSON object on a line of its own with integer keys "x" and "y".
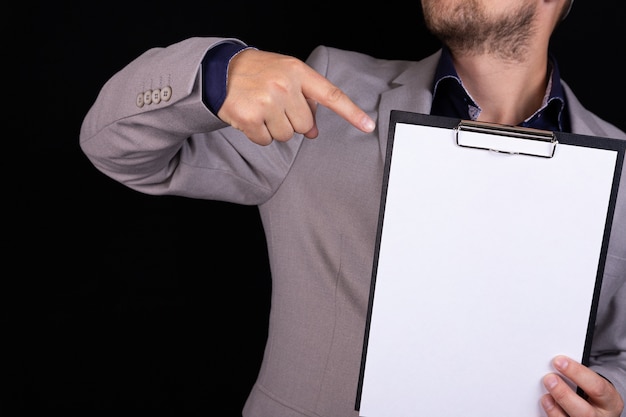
{"x": 283, "y": 136}
{"x": 303, "y": 125}
{"x": 604, "y": 389}
{"x": 263, "y": 140}
{"x": 559, "y": 395}
{"x": 334, "y": 94}
{"x": 599, "y": 388}
{"x": 292, "y": 62}
{"x": 250, "y": 120}
{"x": 267, "y": 99}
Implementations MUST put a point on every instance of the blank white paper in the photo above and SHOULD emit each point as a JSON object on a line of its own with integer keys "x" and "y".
{"x": 486, "y": 271}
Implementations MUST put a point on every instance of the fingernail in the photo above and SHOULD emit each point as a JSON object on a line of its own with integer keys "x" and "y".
{"x": 547, "y": 402}
{"x": 561, "y": 363}
{"x": 550, "y": 381}
{"x": 368, "y": 124}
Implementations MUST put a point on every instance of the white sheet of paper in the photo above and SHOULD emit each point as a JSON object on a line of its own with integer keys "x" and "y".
{"x": 486, "y": 271}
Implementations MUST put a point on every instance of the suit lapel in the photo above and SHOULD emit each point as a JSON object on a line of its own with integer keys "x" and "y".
{"x": 412, "y": 92}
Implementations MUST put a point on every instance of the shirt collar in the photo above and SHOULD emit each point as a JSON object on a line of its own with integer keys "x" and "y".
{"x": 450, "y": 98}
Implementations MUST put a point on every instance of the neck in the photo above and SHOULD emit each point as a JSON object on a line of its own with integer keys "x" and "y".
{"x": 507, "y": 91}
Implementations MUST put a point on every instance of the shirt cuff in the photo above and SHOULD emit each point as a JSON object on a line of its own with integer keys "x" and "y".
{"x": 215, "y": 71}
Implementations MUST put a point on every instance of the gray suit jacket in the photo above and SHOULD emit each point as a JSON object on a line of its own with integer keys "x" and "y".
{"x": 319, "y": 202}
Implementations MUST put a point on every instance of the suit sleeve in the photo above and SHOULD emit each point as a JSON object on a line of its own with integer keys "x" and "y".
{"x": 150, "y": 130}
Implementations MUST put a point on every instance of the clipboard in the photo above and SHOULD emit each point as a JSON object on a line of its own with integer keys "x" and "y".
{"x": 489, "y": 259}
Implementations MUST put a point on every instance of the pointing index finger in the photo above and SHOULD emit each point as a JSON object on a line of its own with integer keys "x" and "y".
{"x": 318, "y": 88}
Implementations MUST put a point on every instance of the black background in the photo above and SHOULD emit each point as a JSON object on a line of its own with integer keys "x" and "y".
{"x": 119, "y": 302}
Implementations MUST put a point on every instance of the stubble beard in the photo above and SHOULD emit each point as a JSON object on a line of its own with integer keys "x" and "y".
{"x": 468, "y": 29}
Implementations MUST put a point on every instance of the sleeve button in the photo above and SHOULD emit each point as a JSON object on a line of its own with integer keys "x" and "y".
{"x": 156, "y": 96}
{"x": 166, "y": 93}
{"x": 147, "y": 96}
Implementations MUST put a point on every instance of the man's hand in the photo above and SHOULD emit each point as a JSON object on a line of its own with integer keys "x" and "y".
{"x": 601, "y": 397}
{"x": 272, "y": 96}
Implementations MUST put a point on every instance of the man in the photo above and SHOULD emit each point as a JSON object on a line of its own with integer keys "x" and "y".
{"x": 209, "y": 118}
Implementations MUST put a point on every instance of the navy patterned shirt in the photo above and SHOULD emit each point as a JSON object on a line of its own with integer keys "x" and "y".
{"x": 451, "y": 99}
